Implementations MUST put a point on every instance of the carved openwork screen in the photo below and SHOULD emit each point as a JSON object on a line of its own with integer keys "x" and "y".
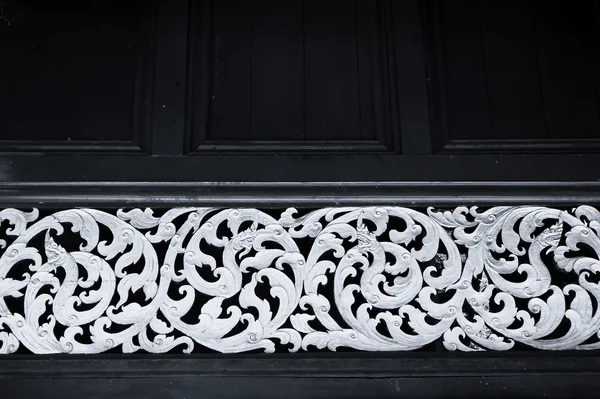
{"x": 304, "y": 198}
{"x": 241, "y": 280}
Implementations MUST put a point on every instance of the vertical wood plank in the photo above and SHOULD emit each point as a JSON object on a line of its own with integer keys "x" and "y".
{"x": 369, "y": 60}
{"x": 64, "y": 98}
{"x": 277, "y": 71}
{"x": 68, "y": 71}
{"x": 143, "y": 104}
{"x": 594, "y": 43}
{"x": 466, "y": 85}
{"x": 411, "y": 77}
{"x": 108, "y": 113}
{"x": 231, "y": 98}
{"x": 200, "y": 70}
{"x": 517, "y": 110}
{"x": 170, "y": 78}
{"x": 372, "y": 27}
{"x": 332, "y": 94}
{"x": 567, "y": 37}
{"x": 21, "y": 54}
{"x": 436, "y": 74}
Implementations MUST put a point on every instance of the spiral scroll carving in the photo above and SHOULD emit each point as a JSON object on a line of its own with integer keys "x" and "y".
{"x": 236, "y": 280}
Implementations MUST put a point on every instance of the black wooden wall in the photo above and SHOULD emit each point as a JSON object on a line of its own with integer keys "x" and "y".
{"x": 517, "y": 70}
{"x": 73, "y": 74}
{"x": 300, "y": 76}
{"x": 298, "y": 72}
{"x": 301, "y": 103}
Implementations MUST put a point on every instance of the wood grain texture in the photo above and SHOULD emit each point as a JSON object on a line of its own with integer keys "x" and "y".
{"x": 527, "y": 172}
{"x": 348, "y": 377}
{"x": 516, "y": 71}
{"x": 331, "y": 71}
{"x": 514, "y": 93}
{"x": 79, "y": 77}
{"x": 567, "y": 38}
{"x": 277, "y": 71}
{"x": 464, "y": 72}
{"x": 231, "y": 84}
{"x": 299, "y": 72}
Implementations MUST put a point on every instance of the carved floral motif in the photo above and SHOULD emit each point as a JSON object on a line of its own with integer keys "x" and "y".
{"x": 236, "y": 280}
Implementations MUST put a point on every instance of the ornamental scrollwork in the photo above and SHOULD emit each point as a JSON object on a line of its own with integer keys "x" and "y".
{"x": 382, "y": 278}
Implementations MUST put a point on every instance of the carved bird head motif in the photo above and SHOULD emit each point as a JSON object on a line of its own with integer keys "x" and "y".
{"x": 366, "y": 239}
{"x": 551, "y": 236}
{"x": 54, "y": 252}
{"x": 245, "y": 239}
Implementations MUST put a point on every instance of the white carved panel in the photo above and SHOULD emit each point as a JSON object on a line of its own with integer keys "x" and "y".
{"x": 236, "y": 280}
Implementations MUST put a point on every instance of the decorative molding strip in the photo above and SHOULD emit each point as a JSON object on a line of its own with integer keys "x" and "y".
{"x": 237, "y": 280}
{"x": 526, "y": 146}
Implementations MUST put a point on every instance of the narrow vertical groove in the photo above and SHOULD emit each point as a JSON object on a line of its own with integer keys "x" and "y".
{"x": 539, "y": 71}
{"x": 170, "y": 78}
{"x": 188, "y": 122}
{"x": 595, "y": 57}
{"x": 250, "y": 16}
{"x": 485, "y": 72}
{"x": 595, "y": 82}
{"x": 438, "y": 82}
{"x": 393, "y": 127}
{"x": 358, "y": 74}
{"x": 303, "y": 69}
{"x": 152, "y": 85}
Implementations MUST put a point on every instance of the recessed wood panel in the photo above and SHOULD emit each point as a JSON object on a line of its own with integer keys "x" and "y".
{"x": 567, "y": 47}
{"x": 516, "y": 70}
{"x": 332, "y": 74}
{"x": 70, "y": 72}
{"x": 277, "y": 70}
{"x": 287, "y": 74}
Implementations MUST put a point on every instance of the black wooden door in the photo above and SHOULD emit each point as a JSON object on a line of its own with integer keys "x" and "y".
{"x": 390, "y": 118}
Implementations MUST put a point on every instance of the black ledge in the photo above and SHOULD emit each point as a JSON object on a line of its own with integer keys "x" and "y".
{"x": 300, "y": 168}
{"x": 326, "y": 376}
{"x": 273, "y": 181}
{"x": 322, "y": 365}
{"x": 295, "y": 194}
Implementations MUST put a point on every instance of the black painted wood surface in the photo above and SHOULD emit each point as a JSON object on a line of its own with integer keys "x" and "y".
{"x": 300, "y": 75}
{"x": 73, "y": 75}
{"x": 312, "y": 103}
{"x": 515, "y": 71}
{"x": 341, "y": 376}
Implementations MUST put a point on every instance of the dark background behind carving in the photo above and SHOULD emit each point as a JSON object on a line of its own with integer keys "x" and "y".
{"x": 433, "y": 102}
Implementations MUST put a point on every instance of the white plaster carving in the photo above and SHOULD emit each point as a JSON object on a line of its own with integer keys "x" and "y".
{"x": 236, "y": 280}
